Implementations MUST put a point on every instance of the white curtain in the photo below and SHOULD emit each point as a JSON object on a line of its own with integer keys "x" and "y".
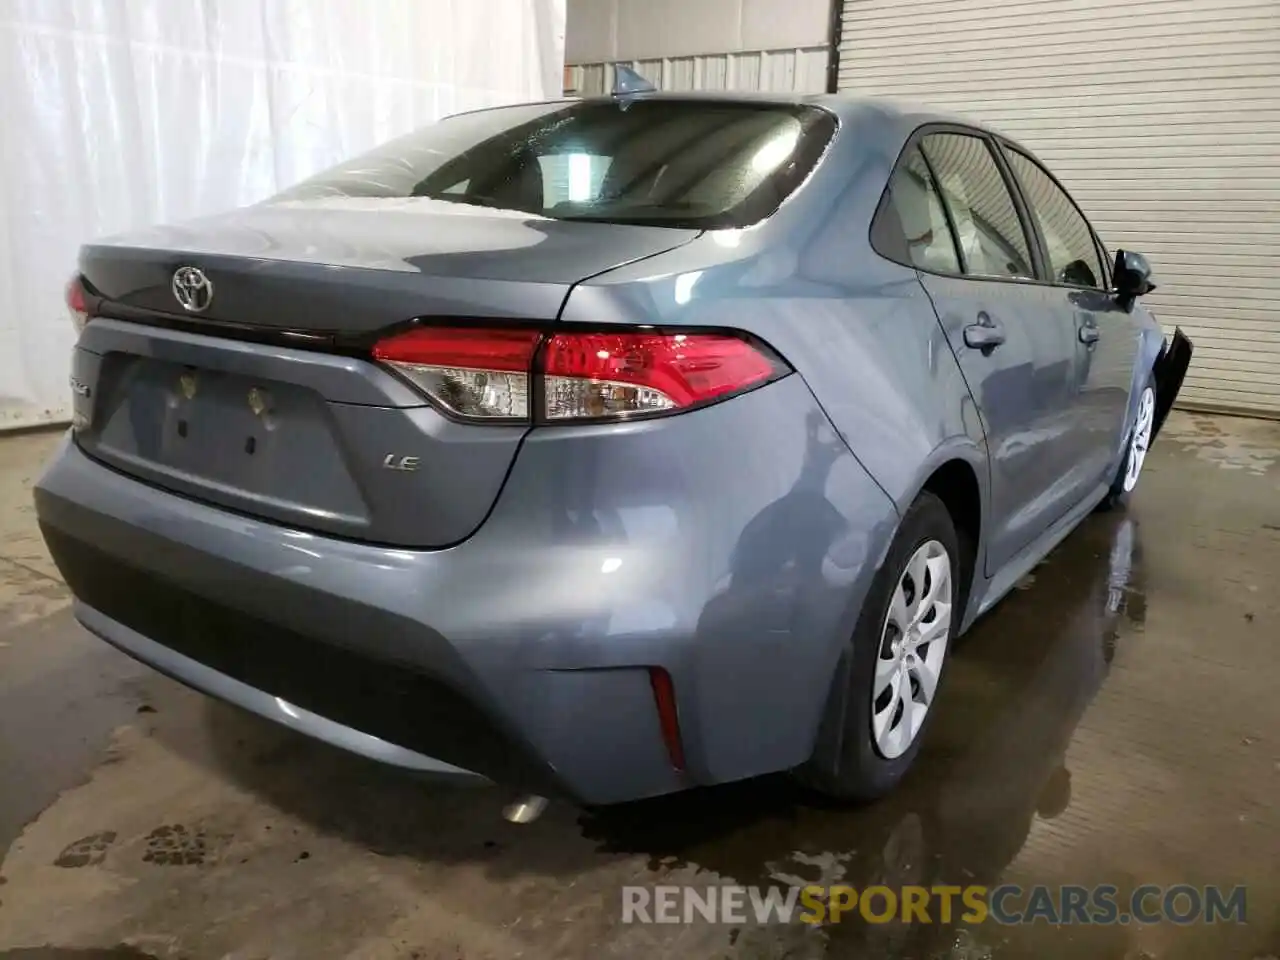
{"x": 121, "y": 113}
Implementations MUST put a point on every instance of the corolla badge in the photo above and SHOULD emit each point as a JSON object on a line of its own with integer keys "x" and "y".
{"x": 192, "y": 289}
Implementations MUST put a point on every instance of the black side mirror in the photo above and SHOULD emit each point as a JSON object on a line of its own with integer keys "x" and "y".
{"x": 1131, "y": 276}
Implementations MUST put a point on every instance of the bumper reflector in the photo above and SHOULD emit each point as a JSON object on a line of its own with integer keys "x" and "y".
{"x": 664, "y": 698}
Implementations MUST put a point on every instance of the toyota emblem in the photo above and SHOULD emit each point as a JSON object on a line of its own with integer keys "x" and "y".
{"x": 192, "y": 289}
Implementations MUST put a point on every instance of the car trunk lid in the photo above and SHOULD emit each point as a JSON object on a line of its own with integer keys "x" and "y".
{"x": 354, "y": 265}
{"x": 306, "y": 429}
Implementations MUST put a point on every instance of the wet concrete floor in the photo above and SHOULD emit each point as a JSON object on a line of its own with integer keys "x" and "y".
{"x": 1116, "y": 720}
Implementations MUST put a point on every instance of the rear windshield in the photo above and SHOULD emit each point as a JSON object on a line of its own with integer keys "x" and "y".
{"x": 678, "y": 163}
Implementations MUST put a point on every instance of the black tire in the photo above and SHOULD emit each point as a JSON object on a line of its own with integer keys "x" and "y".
{"x": 1116, "y": 495}
{"x": 846, "y": 763}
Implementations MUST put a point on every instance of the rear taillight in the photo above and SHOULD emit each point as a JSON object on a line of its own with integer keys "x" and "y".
{"x": 494, "y": 374}
{"x": 473, "y": 372}
{"x": 77, "y": 304}
{"x": 608, "y": 374}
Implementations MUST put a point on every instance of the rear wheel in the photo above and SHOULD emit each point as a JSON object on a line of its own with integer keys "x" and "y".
{"x": 884, "y": 693}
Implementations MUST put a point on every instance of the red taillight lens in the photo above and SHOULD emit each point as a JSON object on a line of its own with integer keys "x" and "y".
{"x": 474, "y": 372}
{"x": 77, "y": 304}
{"x": 611, "y": 374}
{"x": 490, "y": 373}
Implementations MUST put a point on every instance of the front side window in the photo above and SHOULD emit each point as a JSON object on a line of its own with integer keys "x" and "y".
{"x": 992, "y": 241}
{"x": 1073, "y": 256}
{"x": 662, "y": 162}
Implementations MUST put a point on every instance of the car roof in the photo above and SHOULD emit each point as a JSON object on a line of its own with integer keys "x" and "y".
{"x": 902, "y": 115}
{"x": 907, "y": 112}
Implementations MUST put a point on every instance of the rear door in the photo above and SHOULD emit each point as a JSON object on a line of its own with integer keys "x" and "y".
{"x": 1107, "y": 338}
{"x": 1017, "y": 357}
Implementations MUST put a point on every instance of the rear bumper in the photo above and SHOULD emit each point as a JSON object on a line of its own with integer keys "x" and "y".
{"x": 186, "y": 589}
{"x": 727, "y": 547}
{"x": 221, "y": 685}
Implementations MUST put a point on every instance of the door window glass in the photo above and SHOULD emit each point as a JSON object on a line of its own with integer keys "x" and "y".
{"x": 917, "y": 219}
{"x": 992, "y": 241}
{"x": 1073, "y": 256}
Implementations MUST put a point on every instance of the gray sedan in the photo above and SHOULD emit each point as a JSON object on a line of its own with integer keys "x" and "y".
{"x": 604, "y": 448}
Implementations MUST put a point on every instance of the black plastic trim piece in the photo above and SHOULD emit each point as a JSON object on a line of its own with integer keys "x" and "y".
{"x": 835, "y": 35}
{"x": 1169, "y": 372}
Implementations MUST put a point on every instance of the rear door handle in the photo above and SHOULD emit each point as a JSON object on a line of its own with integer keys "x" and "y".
{"x": 985, "y": 335}
{"x": 1089, "y": 334}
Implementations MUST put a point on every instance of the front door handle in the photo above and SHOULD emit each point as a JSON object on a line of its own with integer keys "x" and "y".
{"x": 985, "y": 335}
{"x": 1089, "y": 334}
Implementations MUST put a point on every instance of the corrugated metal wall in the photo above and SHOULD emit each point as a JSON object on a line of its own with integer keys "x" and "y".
{"x": 797, "y": 70}
{"x": 1161, "y": 116}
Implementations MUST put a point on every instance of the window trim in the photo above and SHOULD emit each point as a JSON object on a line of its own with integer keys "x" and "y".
{"x": 1100, "y": 249}
{"x": 914, "y": 139}
{"x": 961, "y": 260}
{"x": 1039, "y": 254}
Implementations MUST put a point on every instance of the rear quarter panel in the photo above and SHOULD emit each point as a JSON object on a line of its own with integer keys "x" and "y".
{"x": 863, "y": 335}
{"x": 859, "y": 329}
{"x": 731, "y": 545}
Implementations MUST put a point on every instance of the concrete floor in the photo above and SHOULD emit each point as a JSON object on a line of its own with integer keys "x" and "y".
{"x": 1116, "y": 720}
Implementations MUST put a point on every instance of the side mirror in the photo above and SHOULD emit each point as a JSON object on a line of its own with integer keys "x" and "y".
{"x": 1131, "y": 276}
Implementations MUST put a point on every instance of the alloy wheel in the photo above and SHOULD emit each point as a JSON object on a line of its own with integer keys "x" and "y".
{"x": 913, "y": 644}
{"x": 1140, "y": 442}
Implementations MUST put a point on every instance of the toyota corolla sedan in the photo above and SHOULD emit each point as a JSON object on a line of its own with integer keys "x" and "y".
{"x": 608, "y": 447}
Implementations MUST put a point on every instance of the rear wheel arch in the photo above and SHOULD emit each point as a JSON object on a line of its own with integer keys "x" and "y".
{"x": 955, "y": 483}
{"x": 841, "y": 763}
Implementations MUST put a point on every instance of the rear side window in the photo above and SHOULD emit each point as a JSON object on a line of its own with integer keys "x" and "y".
{"x": 1068, "y": 240}
{"x": 992, "y": 241}
{"x": 911, "y": 226}
{"x": 661, "y": 162}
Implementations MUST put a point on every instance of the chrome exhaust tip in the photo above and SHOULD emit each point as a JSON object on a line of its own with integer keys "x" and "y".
{"x": 525, "y": 810}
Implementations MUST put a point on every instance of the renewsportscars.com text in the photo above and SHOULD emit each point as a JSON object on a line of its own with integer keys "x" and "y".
{"x": 1007, "y": 904}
